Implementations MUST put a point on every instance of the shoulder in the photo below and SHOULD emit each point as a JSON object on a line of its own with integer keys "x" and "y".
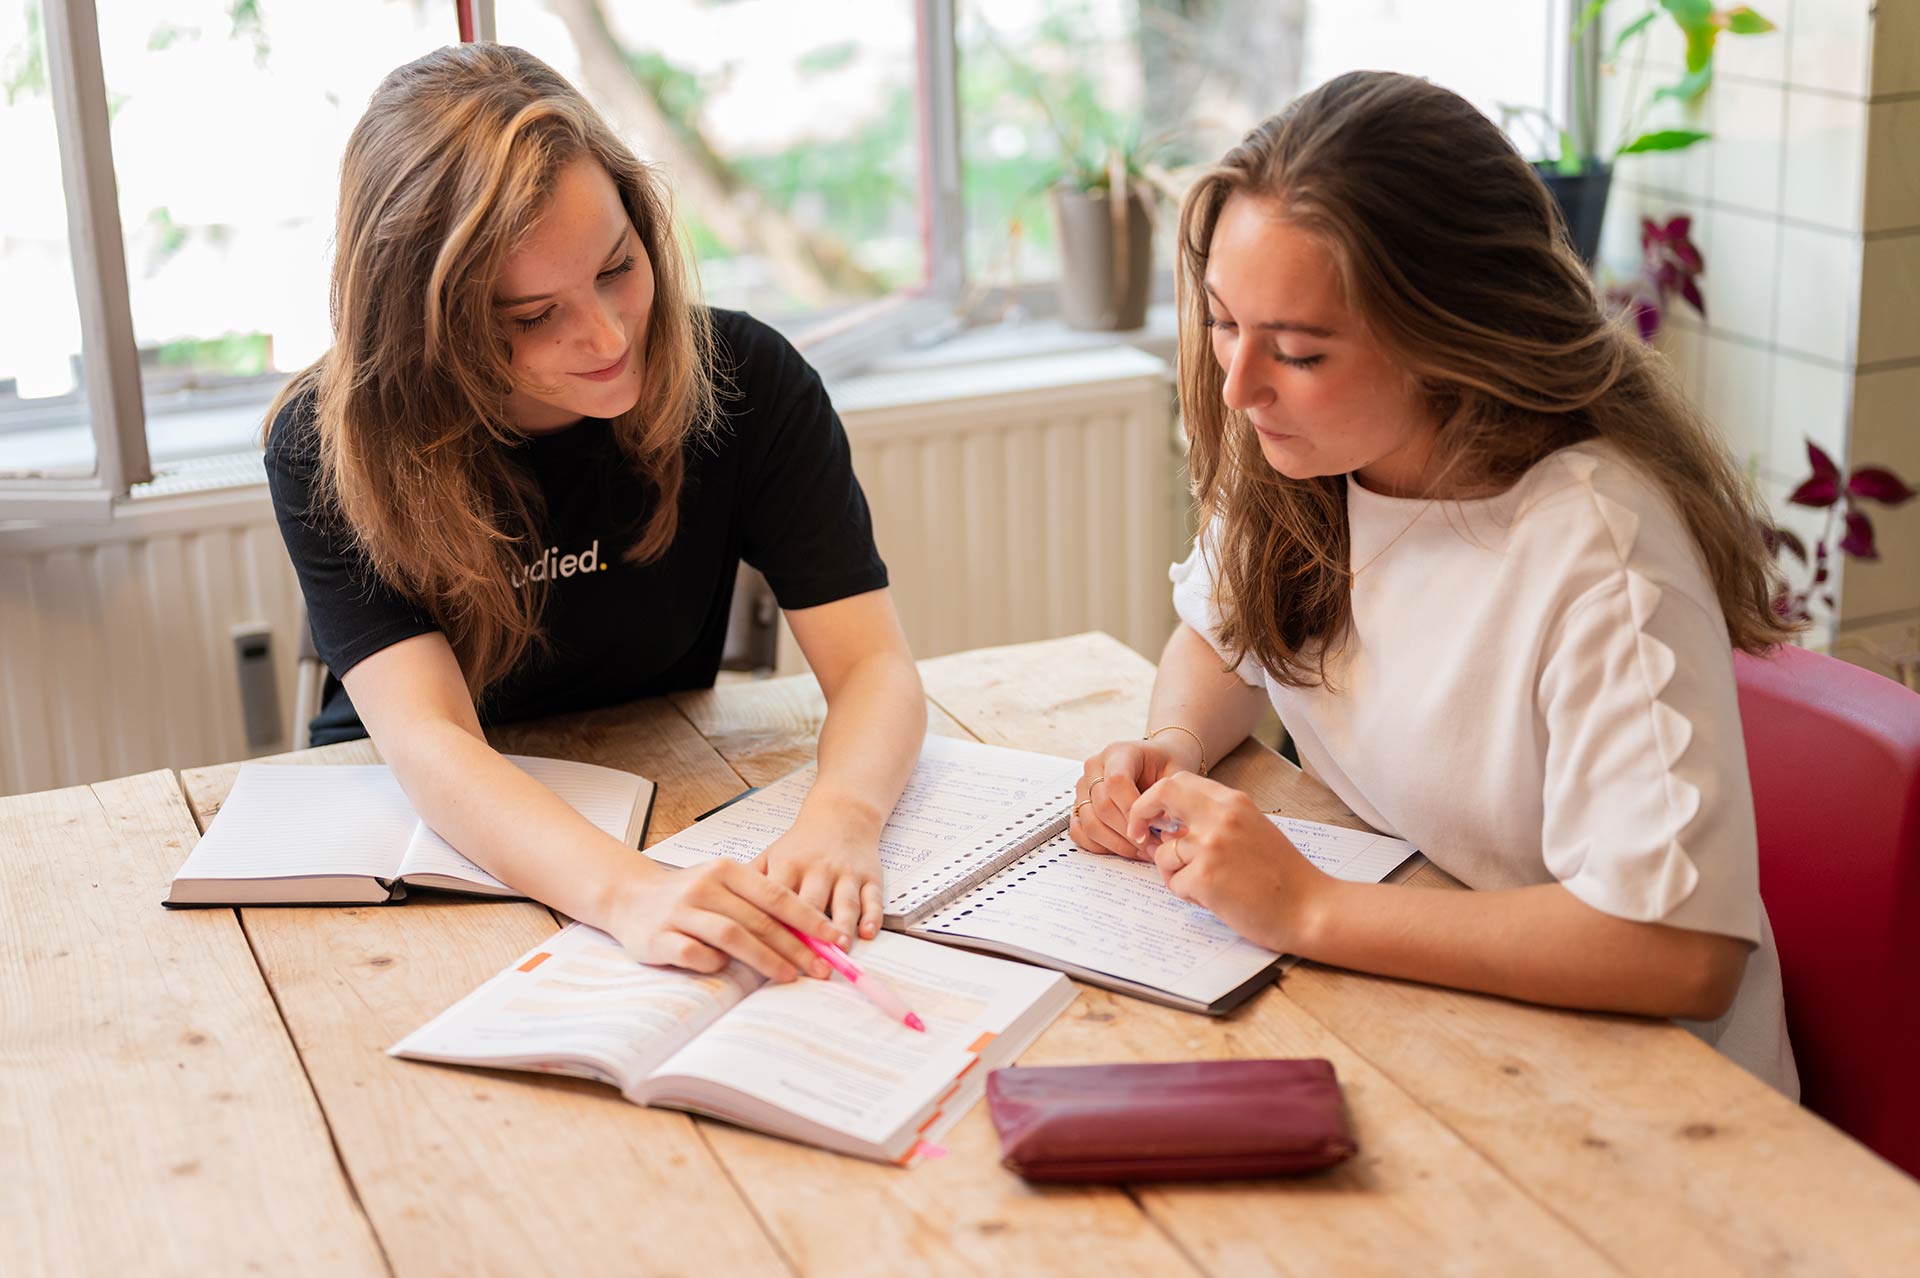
{"x": 749, "y": 352}
{"x": 294, "y": 481}
{"x": 293, "y": 436}
{"x": 1590, "y": 516}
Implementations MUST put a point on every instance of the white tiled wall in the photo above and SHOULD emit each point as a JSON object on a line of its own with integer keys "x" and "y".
{"x": 1806, "y": 205}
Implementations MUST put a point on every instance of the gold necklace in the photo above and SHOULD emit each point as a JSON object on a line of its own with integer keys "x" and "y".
{"x": 1417, "y": 516}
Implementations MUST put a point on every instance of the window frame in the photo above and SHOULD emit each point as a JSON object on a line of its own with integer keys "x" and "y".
{"x": 115, "y": 401}
{"x": 109, "y": 358}
{"x": 115, "y": 408}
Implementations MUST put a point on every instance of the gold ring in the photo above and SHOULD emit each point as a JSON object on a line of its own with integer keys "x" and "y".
{"x": 1096, "y": 781}
{"x": 1083, "y": 803}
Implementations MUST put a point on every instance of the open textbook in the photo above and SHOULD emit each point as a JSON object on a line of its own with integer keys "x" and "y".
{"x": 314, "y": 834}
{"x": 976, "y": 854}
{"x": 811, "y": 1060}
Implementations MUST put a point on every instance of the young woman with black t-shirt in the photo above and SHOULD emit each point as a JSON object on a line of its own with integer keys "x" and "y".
{"x": 521, "y": 483}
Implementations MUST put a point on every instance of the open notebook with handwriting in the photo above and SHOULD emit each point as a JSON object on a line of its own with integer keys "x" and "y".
{"x": 976, "y": 854}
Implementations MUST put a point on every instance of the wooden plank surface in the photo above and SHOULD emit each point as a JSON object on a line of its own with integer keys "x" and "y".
{"x": 1495, "y": 1137}
{"x": 474, "y": 1171}
{"x": 154, "y": 1115}
{"x": 767, "y": 728}
{"x": 1665, "y": 1154}
{"x": 962, "y": 1214}
{"x": 1417, "y": 1192}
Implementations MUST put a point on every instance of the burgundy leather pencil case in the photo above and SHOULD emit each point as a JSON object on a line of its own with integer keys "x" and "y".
{"x": 1186, "y": 1120}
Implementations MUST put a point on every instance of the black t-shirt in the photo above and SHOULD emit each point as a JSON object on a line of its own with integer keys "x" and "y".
{"x": 772, "y": 485}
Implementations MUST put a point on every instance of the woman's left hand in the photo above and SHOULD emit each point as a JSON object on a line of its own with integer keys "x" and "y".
{"x": 833, "y": 865}
{"x": 1229, "y": 859}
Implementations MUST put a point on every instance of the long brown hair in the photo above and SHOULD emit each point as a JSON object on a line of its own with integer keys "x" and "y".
{"x": 444, "y": 176}
{"x": 1456, "y": 261}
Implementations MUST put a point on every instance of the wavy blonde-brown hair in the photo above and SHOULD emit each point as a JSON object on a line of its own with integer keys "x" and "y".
{"x": 1455, "y": 260}
{"x": 444, "y": 176}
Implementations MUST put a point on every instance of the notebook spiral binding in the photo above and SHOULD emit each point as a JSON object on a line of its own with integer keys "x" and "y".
{"x": 966, "y": 902}
{"x": 989, "y": 858}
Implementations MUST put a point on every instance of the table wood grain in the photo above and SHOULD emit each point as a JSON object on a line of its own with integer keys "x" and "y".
{"x": 220, "y": 1078}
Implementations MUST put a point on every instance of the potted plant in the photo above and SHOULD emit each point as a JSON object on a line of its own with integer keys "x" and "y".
{"x": 1104, "y": 187}
{"x": 1841, "y": 494}
{"x": 1105, "y": 218}
{"x": 1670, "y": 267}
{"x": 1578, "y": 169}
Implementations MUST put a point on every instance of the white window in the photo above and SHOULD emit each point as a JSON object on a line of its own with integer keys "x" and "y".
{"x": 853, "y": 172}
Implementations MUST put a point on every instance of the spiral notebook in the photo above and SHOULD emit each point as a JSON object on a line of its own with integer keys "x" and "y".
{"x": 976, "y": 854}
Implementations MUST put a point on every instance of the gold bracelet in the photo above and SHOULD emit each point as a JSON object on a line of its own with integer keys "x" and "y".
{"x": 1174, "y": 727}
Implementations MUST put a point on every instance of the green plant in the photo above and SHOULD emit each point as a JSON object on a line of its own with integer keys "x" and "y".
{"x": 1573, "y": 146}
{"x": 1098, "y": 148}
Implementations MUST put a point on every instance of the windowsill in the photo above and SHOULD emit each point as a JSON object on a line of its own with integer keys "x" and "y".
{"x": 1029, "y": 338}
{"x": 213, "y": 446}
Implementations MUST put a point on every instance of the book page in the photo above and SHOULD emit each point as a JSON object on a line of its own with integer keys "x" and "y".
{"x": 1116, "y": 916}
{"x": 579, "y": 1004}
{"x": 820, "y": 1052}
{"x": 605, "y": 796}
{"x": 964, "y": 803}
{"x": 1359, "y": 856}
{"x": 302, "y": 821}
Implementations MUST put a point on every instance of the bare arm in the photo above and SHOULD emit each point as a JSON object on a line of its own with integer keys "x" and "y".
{"x": 876, "y": 720}
{"x": 415, "y": 704}
{"x": 1541, "y": 943}
{"x": 1192, "y": 692}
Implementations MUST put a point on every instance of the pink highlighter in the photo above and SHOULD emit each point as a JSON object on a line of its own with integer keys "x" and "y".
{"x": 868, "y": 987}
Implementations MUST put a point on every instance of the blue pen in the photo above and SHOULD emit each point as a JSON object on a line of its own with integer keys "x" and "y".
{"x": 1173, "y": 829}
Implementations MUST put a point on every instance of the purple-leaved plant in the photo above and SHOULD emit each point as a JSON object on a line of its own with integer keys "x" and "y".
{"x": 1670, "y": 264}
{"x": 1840, "y": 494}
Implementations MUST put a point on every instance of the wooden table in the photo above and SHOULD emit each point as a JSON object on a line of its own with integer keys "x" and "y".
{"x": 206, "y": 1091}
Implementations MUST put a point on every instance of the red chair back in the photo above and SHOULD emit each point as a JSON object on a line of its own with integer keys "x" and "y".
{"x": 1834, "y": 753}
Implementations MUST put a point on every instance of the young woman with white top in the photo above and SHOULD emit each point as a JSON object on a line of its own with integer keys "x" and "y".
{"x": 1465, "y": 535}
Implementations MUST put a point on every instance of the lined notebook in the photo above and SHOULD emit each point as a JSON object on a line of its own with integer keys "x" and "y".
{"x": 811, "y": 1060}
{"x": 967, "y": 810}
{"x": 976, "y": 854}
{"x": 345, "y": 834}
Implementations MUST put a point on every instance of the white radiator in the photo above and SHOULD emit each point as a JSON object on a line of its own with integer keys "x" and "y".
{"x": 1025, "y": 499}
{"x": 116, "y": 640}
{"x": 1012, "y": 501}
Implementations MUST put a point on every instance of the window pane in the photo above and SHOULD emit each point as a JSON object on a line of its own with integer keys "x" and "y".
{"x": 1493, "y": 53}
{"x": 1041, "y": 80}
{"x": 43, "y": 402}
{"x": 788, "y": 131}
{"x": 229, "y": 119}
{"x": 1053, "y": 86}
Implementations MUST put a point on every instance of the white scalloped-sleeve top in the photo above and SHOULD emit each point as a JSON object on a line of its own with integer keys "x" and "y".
{"x": 1538, "y": 688}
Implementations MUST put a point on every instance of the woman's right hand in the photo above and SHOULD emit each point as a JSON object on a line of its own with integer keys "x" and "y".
{"x": 701, "y": 918}
{"x": 1112, "y": 780}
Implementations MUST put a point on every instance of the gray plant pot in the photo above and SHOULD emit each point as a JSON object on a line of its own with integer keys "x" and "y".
{"x": 1583, "y": 203}
{"x": 1100, "y": 289}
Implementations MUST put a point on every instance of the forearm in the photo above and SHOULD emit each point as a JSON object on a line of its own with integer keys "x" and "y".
{"x": 509, "y": 824}
{"x": 876, "y": 720}
{"x": 1540, "y": 944}
{"x": 1193, "y": 692}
